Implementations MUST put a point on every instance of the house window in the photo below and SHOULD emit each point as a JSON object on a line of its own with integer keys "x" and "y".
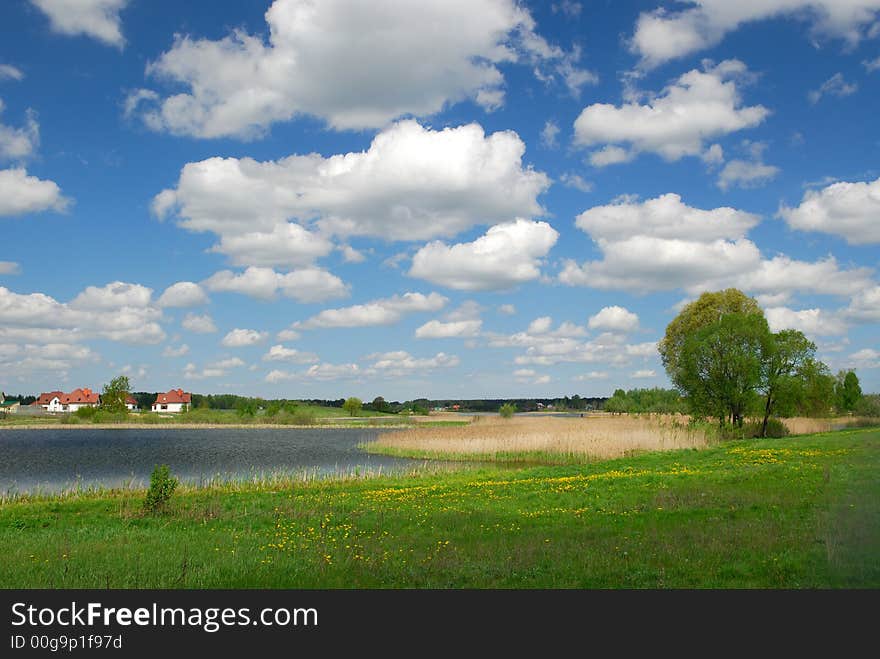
{"x": 164, "y": 407}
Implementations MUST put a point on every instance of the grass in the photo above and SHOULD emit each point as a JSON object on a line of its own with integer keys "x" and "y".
{"x": 798, "y": 512}
{"x": 303, "y": 415}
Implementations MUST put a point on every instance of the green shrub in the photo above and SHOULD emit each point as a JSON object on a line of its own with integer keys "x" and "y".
{"x": 752, "y": 430}
{"x": 507, "y": 410}
{"x": 162, "y": 486}
{"x": 775, "y": 428}
{"x": 303, "y": 418}
{"x": 247, "y": 409}
{"x": 868, "y": 405}
{"x": 86, "y": 413}
{"x": 105, "y": 416}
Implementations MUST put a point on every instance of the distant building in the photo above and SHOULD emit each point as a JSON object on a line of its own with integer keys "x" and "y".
{"x": 131, "y": 403}
{"x": 176, "y": 400}
{"x": 51, "y": 402}
{"x": 8, "y": 406}
{"x": 58, "y": 401}
{"x": 79, "y": 398}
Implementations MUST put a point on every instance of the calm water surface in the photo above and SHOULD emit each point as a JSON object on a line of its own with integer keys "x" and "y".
{"x": 54, "y": 459}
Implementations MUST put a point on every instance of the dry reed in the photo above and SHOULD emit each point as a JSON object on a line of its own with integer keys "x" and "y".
{"x": 800, "y": 425}
{"x": 592, "y": 436}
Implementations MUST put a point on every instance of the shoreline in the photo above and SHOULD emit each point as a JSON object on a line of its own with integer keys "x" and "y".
{"x": 190, "y": 426}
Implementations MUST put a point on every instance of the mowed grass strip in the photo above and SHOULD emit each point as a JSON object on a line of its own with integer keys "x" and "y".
{"x": 799, "y": 512}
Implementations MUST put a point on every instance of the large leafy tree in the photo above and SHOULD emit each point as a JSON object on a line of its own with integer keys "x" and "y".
{"x": 817, "y": 395}
{"x": 115, "y": 394}
{"x": 352, "y": 405}
{"x": 784, "y": 357}
{"x": 709, "y": 308}
{"x": 720, "y": 365}
{"x": 848, "y": 391}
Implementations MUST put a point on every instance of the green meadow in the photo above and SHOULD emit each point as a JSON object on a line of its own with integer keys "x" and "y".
{"x": 799, "y": 512}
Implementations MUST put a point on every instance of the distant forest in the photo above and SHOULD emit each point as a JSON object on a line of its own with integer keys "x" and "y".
{"x": 145, "y": 400}
{"x": 820, "y": 398}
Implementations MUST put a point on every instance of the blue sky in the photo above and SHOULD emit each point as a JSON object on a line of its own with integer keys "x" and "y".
{"x": 441, "y": 199}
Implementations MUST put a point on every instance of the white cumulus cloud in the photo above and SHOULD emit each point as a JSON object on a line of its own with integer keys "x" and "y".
{"x": 677, "y": 122}
{"x": 663, "y": 244}
{"x": 21, "y": 193}
{"x": 175, "y": 351}
{"x": 385, "y": 58}
{"x": 614, "y": 319}
{"x": 850, "y": 210}
{"x": 662, "y": 35}
{"x": 412, "y": 183}
{"x": 279, "y": 353}
{"x": 198, "y": 324}
{"x": 506, "y": 255}
{"x": 19, "y": 143}
{"x": 183, "y": 294}
{"x": 386, "y": 311}
{"x": 864, "y": 307}
{"x": 400, "y": 363}
{"x": 98, "y": 19}
{"x": 118, "y": 312}
{"x": 239, "y": 338}
{"x": 435, "y": 329}
{"x": 812, "y": 322}
{"x": 115, "y": 295}
{"x": 305, "y": 285}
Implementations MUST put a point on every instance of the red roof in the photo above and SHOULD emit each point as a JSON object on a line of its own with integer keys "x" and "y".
{"x": 45, "y": 399}
{"x": 174, "y": 396}
{"x": 84, "y": 396}
{"x": 130, "y": 400}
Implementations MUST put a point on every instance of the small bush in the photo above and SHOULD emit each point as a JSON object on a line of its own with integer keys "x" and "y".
{"x": 868, "y": 405}
{"x": 162, "y": 486}
{"x": 507, "y": 410}
{"x": 247, "y": 409}
{"x": 303, "y": 418}
{"x": 752, "y": 430}
{"x": 86, "y": 413}
{"x": 775, "y": 429}
{"x": 105, "y": 416}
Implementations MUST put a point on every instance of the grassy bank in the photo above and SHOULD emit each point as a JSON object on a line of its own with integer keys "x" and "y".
{"x": 304, "y": 415}
{"x": 795, "y": 513}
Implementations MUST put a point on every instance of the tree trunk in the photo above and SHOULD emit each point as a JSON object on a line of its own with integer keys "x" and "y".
{"x": 766, "y": 414}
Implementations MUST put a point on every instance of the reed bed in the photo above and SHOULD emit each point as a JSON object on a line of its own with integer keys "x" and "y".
{"x": 801, "y": 425}
{"x": 592, "y": 437}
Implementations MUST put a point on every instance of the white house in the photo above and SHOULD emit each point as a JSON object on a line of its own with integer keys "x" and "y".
{"x": 79, "y": 398}
{"x": 51, "y": 402}
{"x": 131, "y": 404}
{"x": 176, "y": 400}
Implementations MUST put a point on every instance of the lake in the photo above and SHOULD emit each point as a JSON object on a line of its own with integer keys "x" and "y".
{"x": 50, "y": 460}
